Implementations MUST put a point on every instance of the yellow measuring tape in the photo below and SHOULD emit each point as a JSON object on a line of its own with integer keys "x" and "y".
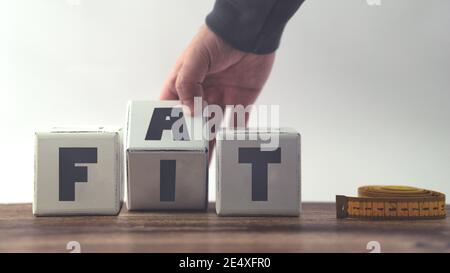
{"x": 392, "y": 202}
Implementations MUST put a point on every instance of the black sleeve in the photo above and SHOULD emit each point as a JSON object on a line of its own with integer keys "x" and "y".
{"x": 252, "y": 26}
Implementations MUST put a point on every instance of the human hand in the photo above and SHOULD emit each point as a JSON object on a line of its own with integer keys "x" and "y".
{"x": 212, "y": 69}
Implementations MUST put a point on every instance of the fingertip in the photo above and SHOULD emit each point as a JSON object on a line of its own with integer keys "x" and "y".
{"x": 167, "y": 94}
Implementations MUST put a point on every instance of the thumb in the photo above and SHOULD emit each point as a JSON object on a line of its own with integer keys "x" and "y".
{"x": 191, "y": 75}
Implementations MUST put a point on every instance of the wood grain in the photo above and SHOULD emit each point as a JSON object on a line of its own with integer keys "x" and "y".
{"x": 317, "y": 230}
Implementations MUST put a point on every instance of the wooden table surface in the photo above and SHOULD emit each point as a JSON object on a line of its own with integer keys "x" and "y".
{"x": 316, "y": 230}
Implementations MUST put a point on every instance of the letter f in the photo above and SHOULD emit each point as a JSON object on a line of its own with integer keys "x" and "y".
{"x": 69, "y": 174}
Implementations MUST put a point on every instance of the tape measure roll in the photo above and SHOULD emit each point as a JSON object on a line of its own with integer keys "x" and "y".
{"x": 392, "y": 202}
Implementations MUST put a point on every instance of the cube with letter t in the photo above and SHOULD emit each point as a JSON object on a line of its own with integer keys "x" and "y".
{"x": 78, "y": 172}
{"x": 167, "y": 158}
{"x": 258, "y": 172}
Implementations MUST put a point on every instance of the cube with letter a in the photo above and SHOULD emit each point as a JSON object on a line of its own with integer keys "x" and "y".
{"x": 258, "y": 172}
{"x": 78, "y": 172}
{"x": 167, "y": 158}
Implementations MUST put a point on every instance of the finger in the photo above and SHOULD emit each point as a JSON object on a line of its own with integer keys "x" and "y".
{"x": 189, "y": 80}
{"x": 217, "y": 127}
{"x": 168, "y": 91}
{"x": 214, "y": 98}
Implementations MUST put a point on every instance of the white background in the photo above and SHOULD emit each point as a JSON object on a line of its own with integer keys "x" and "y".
{"x": 368, "y": 87}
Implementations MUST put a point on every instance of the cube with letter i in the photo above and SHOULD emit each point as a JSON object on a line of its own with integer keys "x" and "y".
{"x": 167, "y": 158}
{"x": 258, "y": 172}
{"x": 78, "y": 172}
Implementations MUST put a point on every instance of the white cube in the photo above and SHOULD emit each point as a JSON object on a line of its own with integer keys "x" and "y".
{"x": 258, "y": 172}
{"x": 167, "y": 158}
{"x": 78, "y": 172}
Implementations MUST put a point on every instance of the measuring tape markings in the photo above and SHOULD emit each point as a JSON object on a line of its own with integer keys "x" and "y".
{"x": 372, "y": 204}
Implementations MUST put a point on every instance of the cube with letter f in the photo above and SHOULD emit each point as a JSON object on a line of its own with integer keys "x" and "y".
{"x": 167, "y": 158}
{"x": 78, "y": 172}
